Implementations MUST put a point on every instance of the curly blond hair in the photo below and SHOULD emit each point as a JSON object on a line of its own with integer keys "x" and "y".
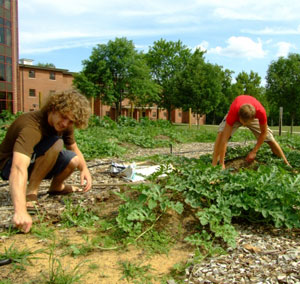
{"x": 70, "y": 102}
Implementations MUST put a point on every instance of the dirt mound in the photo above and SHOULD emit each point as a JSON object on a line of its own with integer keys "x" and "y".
{"x": 241, "y": 163}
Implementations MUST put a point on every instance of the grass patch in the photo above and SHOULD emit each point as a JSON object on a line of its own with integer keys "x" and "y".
{"x": 19, "y": 258}
{"x": 57, "y": 274}
{"x": 77, "y": 215}
{"x": 136, "y": 272}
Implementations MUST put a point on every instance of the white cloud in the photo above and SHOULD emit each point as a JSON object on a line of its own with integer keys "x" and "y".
{"x": 183, "y": 19}
{"x": 53, "y": 25}
{"x": 128, "y": 8}
{"x": 38, "y": 38}
{"x": 284, "y": 48}
{"x": 56, "y": 20}
{"x": 266, "y": 10}
{"x": 234, "y": 14}
{"x": 274, "y": 31}
{"x": 46, "y": 42}
{"x": 67, "y": 7}
{"x": 203, "y": 46}
{"x": 46, "y": 49}
{"x": 27, "y": 37}
{"x": 240, "y": 47}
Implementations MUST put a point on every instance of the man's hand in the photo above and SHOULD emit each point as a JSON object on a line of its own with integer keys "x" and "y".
{"x": 86, "y": 179}
{"x": 85, "y": 176}
{"x": 23, "y": 221}
{"x": 251, "y": 157}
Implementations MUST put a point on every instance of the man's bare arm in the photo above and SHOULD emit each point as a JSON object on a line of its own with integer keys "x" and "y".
{"x": 18, "y": 182}
{"x": 84, "y": 171}
{"x": 262, "y": 137}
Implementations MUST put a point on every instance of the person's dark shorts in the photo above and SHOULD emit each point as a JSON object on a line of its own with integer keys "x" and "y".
{"x": 64, "y": 158}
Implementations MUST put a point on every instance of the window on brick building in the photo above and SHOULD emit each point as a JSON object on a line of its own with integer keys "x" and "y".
{"x": 8, "y": 73}
{"x": 5, "y": 68}
{"x": 52, "y": 76}
{"x": 8, "y": 36}
{"x": 51, "y": 92}
{"x": 2, "y": 72}
{"x": 31, "y": 74}
{"x": 2, "y": 38}
{"x": 7, "y": 23}
{"x": 31, "y": 92}
{"x": 7, "y": 4}
{"x": 154, "y": 114}
{"x": 6, "y": 102}
{"x": 107, "y": 113}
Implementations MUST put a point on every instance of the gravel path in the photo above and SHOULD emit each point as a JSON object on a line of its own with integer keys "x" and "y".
{"x": 263, "y": 255}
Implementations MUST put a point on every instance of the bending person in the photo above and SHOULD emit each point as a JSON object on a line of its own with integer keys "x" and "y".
{"x": 32, "y": 150}
{"x": 247, "y": 111}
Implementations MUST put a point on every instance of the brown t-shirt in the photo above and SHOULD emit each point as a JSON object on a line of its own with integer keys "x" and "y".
{"x": 27, "y": 131}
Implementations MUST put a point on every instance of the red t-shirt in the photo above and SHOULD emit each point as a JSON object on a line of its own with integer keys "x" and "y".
{"x": 233, "y": 114}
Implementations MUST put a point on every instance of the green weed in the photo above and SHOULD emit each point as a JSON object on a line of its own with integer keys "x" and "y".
{"x": 57, "y": 274}
{"x": 178, "y": 271}
{"x": 43, "y": 231}
{"x": 156, "y": 242}
{"x": 7, "y": 281}
{"x": 19, "y": 258}
{"x": 136, "y": 273}
{"x": 11, "y": 231}
{"x": 83, "y": 248}
{"x": 77, "y": 215}
{"x": 93, "y": 266}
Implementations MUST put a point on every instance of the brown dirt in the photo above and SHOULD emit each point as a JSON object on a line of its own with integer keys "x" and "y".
{"x": 101, "y": 199}
{"x": 107, "y": 261}
{"x": 108, "y": 268}
{"x": 241, "y": 163}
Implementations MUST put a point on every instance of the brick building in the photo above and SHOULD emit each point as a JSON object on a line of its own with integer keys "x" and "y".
{"x": 9, "y": 55}
{"x": 36, "y": 83}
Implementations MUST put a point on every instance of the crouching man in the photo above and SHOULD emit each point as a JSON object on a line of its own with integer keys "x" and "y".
{"x": 249, "y": 112}
{"x": 33, "y": 150}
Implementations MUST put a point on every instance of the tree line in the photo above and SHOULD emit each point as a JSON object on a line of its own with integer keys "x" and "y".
{"x": 171, "y": 75}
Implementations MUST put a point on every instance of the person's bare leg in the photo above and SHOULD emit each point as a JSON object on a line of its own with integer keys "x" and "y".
{"x": 216, "y": 153}
{"x": 276, "y": 149}
{"x": 43, "y": 166}
{"x": 57, "y": 183}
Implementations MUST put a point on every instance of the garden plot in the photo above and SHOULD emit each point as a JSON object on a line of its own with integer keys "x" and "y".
{"x": 80, "y": 230}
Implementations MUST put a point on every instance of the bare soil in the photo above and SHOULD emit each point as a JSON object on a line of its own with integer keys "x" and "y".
{"x": 102, "y": 200}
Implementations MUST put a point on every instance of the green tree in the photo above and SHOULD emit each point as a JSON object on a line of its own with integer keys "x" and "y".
{"x": 226, "y": 97}
{"x": 249, "y": 84}
{"x": 283, "y": 85}
{"x": 199, "y": 85}
{"x": 116, "y": 71}
{"x": 166, "y": 60}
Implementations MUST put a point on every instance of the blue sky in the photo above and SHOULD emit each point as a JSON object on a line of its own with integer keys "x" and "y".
{"x": 238, "y": 35}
